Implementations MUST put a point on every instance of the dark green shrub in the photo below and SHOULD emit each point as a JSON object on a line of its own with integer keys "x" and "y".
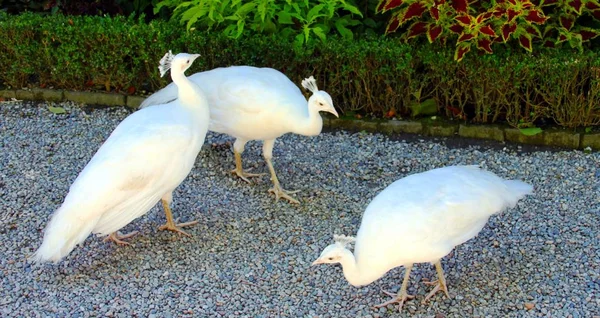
{"x": 368, "y": 76}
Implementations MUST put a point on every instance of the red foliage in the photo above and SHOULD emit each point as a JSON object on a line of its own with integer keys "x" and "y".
{"x": 485, "y": 44}
{"x": 456, "y": 28}
{"x": 592, "y": 6}
{"x": 511, "y": 14}
{"x": 481, "y": 23}
{"x": 576, "y": 4}
{"x": 435, "y": 13}
{"x": 487, "y": 30}
{"x": 588, "y": 34}
{"x": 417, "y": 28}
{"x": 393, "y": 25}
{"x": 525, "y": 42}
{"x": 566, "y": 22}
{"x": 460, "y": 52}
{"x": 536, "y": 16}
{"x": 386, "y": 5}
{"x": 465, "y": 37}
{"x": 434, "y": 32}
{"x": 460, "y": 5}
{"x": 414, "y": 10}
{"x": 507, "y": 30}
{"x": 464, "y": 19}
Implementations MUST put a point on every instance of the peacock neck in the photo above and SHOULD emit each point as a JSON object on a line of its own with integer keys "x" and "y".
{"x": 352, "y": 271}
{"x": 310, "y": 125}
{"x": 188, "y": 92}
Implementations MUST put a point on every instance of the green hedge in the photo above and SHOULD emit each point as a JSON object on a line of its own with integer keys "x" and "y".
{"x": 376, "y": 76}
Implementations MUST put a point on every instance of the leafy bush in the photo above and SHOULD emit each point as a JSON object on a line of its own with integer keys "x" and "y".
{"x": 302, "y": 20}
{"x": 369, "y": 76}
{"x": 481, "y": 24}
{"x": 83, "y": 7}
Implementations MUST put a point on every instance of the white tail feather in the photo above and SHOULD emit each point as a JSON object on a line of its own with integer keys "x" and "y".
{"x": 62, "y": 234}
{"x": 310, "y": 84}
{"x": 518, "y": 189}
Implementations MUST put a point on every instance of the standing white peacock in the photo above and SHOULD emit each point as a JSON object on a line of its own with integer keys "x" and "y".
{"x": 421, "y": 218}
{"x": 144, "y": 159}
{"x": 251, "y": 103}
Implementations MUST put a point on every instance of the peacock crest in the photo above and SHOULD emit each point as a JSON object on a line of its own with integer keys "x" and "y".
{"x": 165, "y": 63}
{"x": 344, "y": 240}
{"x": 310, "y": 84}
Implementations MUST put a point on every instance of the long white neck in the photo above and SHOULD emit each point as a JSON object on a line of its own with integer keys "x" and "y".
{"x": 310, "y": 125}
{"x": 355, "y": 275}
{"x": 188, "y": 92}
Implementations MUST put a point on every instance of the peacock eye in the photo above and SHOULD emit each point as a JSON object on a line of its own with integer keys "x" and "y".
{"x": 320, "y": 104}
{"x": 188, "y": 61}
{"x": 331, "y": 258}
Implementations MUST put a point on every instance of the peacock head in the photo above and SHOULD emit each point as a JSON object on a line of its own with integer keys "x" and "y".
{"x": 335, "y": 252}
{"x": 179, "y": 63}
{"x": 319, "y": 100}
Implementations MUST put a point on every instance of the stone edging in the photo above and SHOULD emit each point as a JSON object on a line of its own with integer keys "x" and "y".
{"x": 554, "y": 138}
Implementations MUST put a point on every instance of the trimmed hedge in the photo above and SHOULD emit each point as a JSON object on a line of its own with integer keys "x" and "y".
{"x": 379, "y": 77}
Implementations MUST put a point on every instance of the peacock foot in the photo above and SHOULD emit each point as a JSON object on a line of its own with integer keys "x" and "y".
{"x": 439, "y": 286}
{"x": 399, "y": 298}
{"x": 118, "y": 238}
{"x": 281, "y": 193}
{"x": 244, "y": 175}
{"x": 172, "y": 226}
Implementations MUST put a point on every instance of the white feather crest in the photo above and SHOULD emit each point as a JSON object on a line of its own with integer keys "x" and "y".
{"x": 310, "y": 84}
{"x": 165, "y": 63}
{"x": 344, "y": 240}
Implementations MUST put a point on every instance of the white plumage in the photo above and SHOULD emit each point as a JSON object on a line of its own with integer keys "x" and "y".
{"x": 144, "y": 159}
{"x": 421, "y": 218}
{"x": 251, "y": 103}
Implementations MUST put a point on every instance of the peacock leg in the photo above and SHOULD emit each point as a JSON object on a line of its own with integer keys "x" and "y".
{"x": 440, "y": 283}
{"x": 402, "y": 295}
{"x": 170, "y": 225}
{"x": 276, "y": 189}
{"x": 244, "y": 175}
{"x": 118, "y": 238}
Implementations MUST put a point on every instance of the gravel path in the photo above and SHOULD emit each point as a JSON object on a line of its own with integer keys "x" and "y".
{"x": 250, "y": 256}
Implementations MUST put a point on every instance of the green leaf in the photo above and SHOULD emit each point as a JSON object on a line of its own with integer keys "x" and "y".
{"x": 57, "y": 110}
{"x": 588, "y": 130}
{"x": 315, "y": 12}
{"x": 246, "y": 8}
{"x": 340, "y": 26}
{"x": 299, "y": 40}
{"x": 285, "y": 18}
{"x": 351, "y": 8}
{"x": 319, "y": 32}
{"x": 530, "y": 131}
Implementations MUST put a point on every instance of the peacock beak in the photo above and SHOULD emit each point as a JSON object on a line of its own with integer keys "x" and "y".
{"x": 333, "y": 111}
{"x": 317, "y": 262}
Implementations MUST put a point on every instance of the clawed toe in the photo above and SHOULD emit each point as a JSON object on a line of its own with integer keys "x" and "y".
{"x": 176, "y": 227}
{"x": 283, "y": 194}
{"x": 399, "y": 298}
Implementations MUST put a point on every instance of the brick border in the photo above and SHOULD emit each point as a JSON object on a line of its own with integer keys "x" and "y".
{"x": 562, "y": 138}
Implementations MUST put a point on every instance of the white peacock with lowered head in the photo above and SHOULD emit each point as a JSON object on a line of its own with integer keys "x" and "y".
{"x": 143, "y": 160}
{"x": 420, "y": 219}
{"x": 251, "y": 103}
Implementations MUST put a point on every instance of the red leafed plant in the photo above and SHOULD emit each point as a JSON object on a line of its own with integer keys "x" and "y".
{"x": 481, "y": 24}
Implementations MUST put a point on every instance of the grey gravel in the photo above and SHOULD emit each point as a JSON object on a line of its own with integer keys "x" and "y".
{"x": 250, "y": 256}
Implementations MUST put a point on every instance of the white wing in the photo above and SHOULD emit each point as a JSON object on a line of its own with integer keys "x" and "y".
{"x": 145, "y": 157}
{"x": 420, "y": 218}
